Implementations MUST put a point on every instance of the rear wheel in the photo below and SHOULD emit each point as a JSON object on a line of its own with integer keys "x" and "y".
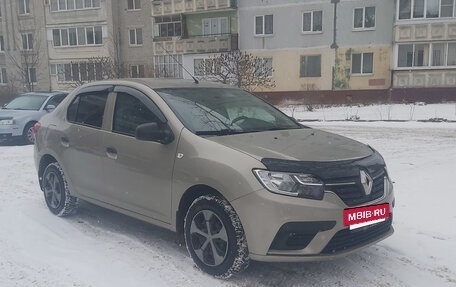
{"x": 215, "y": 237}
{"x": 56, "y": 193}
{"x": 28, "y": 136}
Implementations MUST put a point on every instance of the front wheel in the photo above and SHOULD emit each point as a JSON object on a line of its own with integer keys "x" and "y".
{"x": 56, "y": 193}
{"x": 28, "y": 135}
{"x": 215, "y": 237}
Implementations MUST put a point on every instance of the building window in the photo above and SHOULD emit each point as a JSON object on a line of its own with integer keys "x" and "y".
{"x": 362, "y": 63}
{"x": 3, "y": 76}
{"x": 65, "y": 5}
{"x": 77, "y": 36}
{"x": 31, "y": 75}
{"x": 364, "y": 18}
{"x": 418, "y": 9}
{"x": 2, "y": 44}
{"x": 168, "y": 66}
{"x": 310, "y": 66}
{"x": 133, "y": 4}
{"x": 451, "y": 59}
{"x": 263, "y": 67}
{"x": 168, "y": 26}
{"x": 77, "y": 72}
{"x": 27, "y": 41}
{"x": 137, "y": 71}
{"x": 136, "y": 38}
{"x": 24, "y": 7}
{"x": 205, "y": 67}
{"x": 215, "y": 26}
{"x": 312, "y": 21}
{"x": 264, "y": 25}
{"x": 427, "y": 55}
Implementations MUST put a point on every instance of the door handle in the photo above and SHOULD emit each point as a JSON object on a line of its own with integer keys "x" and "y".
{"x": 111, "y": 152}
{"x": 65, "y": 141}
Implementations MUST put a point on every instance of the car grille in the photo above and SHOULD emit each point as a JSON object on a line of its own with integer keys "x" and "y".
{"x": 350, "y": 190}
{"x": 346, "y": 239}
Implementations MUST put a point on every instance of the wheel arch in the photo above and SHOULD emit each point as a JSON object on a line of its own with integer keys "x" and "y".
{"x": 44, "y": 162}
{"x": 186, "y": 200}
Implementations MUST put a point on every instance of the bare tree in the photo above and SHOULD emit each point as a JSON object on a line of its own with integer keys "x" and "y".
{"x": 26, "y": 54}
{"x": 241, "y": 69}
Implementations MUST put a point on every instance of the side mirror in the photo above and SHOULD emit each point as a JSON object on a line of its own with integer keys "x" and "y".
{"x": 154, "y": 132}
{"x": 49, "y": 108}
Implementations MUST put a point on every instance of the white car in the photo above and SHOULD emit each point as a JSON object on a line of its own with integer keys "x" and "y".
{"x": 18, "y": 117}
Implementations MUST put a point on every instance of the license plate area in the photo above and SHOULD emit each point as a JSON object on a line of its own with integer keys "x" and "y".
{"x": 366, "y": 215}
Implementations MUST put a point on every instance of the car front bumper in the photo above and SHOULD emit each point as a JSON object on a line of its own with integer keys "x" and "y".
{"x": 289, "y": 229}
{"x": 7, "y": 131}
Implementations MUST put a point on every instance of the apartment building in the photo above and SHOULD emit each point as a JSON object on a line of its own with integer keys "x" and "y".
{"x": 23, "y": 50}
{"x": 189, "y": 32}
{"x": 322, "y": 51}
{"x": 424, "y": 64}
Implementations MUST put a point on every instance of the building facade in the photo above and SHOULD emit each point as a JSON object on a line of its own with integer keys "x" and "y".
{"x": 424, "y": 64}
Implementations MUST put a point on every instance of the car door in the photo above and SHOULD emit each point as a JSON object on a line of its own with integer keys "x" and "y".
{"x": 138, "y": 173}
{"x": 81, "y": 142}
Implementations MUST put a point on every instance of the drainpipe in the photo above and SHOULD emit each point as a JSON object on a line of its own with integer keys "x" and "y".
{"x": 334, "y": 43}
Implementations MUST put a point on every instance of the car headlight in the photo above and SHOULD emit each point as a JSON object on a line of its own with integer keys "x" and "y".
{"x": 292, "y": 184}
{"x": 7, "y": 122}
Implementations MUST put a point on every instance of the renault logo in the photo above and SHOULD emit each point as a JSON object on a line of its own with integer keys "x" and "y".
{"x": 366, "y": 182}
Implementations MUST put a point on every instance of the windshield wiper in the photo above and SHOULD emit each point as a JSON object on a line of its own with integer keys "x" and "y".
{"x": 222, "y": 132}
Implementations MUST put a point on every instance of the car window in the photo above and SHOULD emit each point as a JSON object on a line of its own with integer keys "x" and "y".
{"x": 55, "y": 100}
{"x": 215, "y": 111}
{"x": 30, "y": 103}
{"x": 129, "y": 113}
{"x": 88, "y": 109}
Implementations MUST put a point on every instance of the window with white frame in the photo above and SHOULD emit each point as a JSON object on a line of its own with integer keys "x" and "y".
{"x": 136, "y": 38}
{"x": 24, "y": 7}
{"x": 362, "y": 63}
{"x": 2, "y": 44}
{"x": 263, "y": 67}
{"x": 27, "y": 41}
{"x": 3, "y": 76}
{"x": 137, "y": 71}
{"x": 312, "y": 21}
{"x": 133, "y": 4}
{"x": 419, "y": 9}
{"x": 264, "y": 25}
{"x": 168, "y": 66}
{"x": 364, "y": 18}
{"x": 77, "y": 72}
{"x": 31, "y": 75}
{"x": 310, "y": 66}
{"x": 215, "y": 26}
{"x": 205, "y": 67}
{"x": 426, "y": 55}
{"x": 77, "y": 36}
{"x": 66, "y": 5}
{"x": 168, "y": 26}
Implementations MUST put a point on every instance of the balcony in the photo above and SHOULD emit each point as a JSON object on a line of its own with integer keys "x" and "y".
{"x": 166, "y": 7}
{"x": 196, "y": 44}
{"x": 427, "y": 31}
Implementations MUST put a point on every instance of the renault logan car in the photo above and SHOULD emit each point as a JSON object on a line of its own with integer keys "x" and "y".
{"x": 235, "y": 177}
{"x": 18, "y": 117}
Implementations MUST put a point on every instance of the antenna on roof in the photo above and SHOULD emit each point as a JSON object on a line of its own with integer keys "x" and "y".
{"x": 180, "y": 64}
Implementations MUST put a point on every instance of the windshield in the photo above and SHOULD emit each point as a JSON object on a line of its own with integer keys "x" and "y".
{"x": 31, "y": 103}
{"x": 219, "y": 111}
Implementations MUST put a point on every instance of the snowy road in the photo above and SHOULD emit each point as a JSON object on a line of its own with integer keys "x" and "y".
{"x": 100, "y": 248}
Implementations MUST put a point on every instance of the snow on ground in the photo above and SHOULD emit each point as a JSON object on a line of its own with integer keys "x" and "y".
{"x": 98, "y": 247}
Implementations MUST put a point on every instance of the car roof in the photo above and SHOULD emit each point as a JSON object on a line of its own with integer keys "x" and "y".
{"x": 161, "y": 83}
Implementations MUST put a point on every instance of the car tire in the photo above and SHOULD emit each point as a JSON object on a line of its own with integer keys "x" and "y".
{"x": 56, "y": 192}
{"x": 28, "y": 136}
{"x": 215, "y": 237}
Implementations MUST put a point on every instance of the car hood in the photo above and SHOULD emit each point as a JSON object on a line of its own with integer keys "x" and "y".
{"x": 299, "y": 144}
{"x": 7, "y": 114}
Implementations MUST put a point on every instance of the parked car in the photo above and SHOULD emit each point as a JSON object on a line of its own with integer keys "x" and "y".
{"x": 18, "y": 117}
{"x": 231, "y": 174}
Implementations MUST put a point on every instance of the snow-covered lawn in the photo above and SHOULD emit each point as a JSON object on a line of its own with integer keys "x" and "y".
{"x": 97, "y": 247}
